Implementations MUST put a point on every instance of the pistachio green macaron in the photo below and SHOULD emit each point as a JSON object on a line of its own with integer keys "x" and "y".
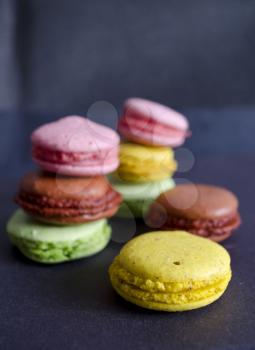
{"x": 54, "y": 244}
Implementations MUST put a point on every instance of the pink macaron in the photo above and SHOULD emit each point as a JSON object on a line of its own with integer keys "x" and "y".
{"x": 76, "y": 146}
{"x": 151, "y": 123}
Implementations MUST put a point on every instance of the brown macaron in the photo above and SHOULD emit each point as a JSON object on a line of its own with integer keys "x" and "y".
{"x": 67, "y": 200}
{"x": 204, "y": 210}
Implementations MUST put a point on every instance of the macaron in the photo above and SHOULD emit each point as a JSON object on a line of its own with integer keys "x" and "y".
{"x": 171, "y": 271}
{"x": 151, "y": 123}
{"x": 54, "y": 244}
{"x": 67, "y": 200}
{"x": 140, "y": 163}
{"x": 137, "y": 197}
{"x": 204, "y": 210}
{"x": 76, "y": 146}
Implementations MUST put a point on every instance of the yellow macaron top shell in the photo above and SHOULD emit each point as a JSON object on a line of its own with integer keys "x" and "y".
{"x": 174, "y": 257}
{"x": 145, "y": 163}
{"x": 171, "y": 271}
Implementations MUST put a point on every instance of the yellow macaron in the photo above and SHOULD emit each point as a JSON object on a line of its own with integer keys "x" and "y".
{"x": 140, "y": 163}
{"x": 171, "y": 271}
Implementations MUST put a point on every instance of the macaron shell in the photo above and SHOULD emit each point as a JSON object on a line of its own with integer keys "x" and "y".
{"x": 49, "y": 253}
{"x": 156, "y": 111}
{"x": 210, "y": 260}
{"x": 24, "y": 226}
{"x": 63, "y": 187}
{"x": 145, "y": 190}
{"x": 198, "y": 201}
{"x": 76, "y": 146}
{"x": 75, "y": 134}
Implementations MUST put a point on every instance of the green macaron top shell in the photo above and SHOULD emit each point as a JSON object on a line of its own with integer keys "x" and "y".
{"x": 51, "y": 244}
{"x": 141, "y": 191}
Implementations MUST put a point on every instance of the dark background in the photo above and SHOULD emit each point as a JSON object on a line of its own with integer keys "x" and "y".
{"x": 59, "y": 57}
{"x": 64, "y": 55}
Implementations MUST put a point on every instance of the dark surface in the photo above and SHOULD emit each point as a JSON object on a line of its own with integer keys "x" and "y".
{"x": 69, "y": 54}
{"x": 72, "y": 306}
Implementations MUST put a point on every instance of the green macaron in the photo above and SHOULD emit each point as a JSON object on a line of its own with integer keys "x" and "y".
{"x": 137, "y": 197}
{"x": 54, "y": 244}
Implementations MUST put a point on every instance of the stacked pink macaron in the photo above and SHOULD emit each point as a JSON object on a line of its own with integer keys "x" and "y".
{"x": 151, "y": 123}
{"x": 76, "y": 146}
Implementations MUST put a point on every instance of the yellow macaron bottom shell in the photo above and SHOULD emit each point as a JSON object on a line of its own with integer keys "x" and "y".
{"x": 171, "y": 271}
{"x": 140, "y": 163}
{"x": 166, "y": 296}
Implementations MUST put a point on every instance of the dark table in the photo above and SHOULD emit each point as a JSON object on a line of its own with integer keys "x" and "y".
{"x": 72, "y": 306}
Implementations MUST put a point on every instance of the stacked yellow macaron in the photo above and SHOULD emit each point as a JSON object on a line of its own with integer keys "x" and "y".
{"x": 141, "y": 163}
{"x": 147, "y": 162}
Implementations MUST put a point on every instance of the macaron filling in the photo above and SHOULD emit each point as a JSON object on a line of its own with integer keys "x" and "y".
{"x": 69, "y": 210}
{"x": 60, "y": 157}
{"x": 166, "y": 293}
{"x": 204, "y": 227}
{"x": 150, "y": 126}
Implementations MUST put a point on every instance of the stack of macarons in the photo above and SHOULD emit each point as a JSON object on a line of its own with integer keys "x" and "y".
{"x": 65, "y": 204}
{"x": 150, "y": 131}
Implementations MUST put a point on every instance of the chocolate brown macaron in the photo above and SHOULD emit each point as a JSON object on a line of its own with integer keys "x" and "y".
{"x": 204, "y": 210}
{"x": 67, "y": 200}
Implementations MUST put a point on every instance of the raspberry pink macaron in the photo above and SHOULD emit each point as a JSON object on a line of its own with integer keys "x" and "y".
{"x": 151, "y": 123}
{"x": 76, "y": 146}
